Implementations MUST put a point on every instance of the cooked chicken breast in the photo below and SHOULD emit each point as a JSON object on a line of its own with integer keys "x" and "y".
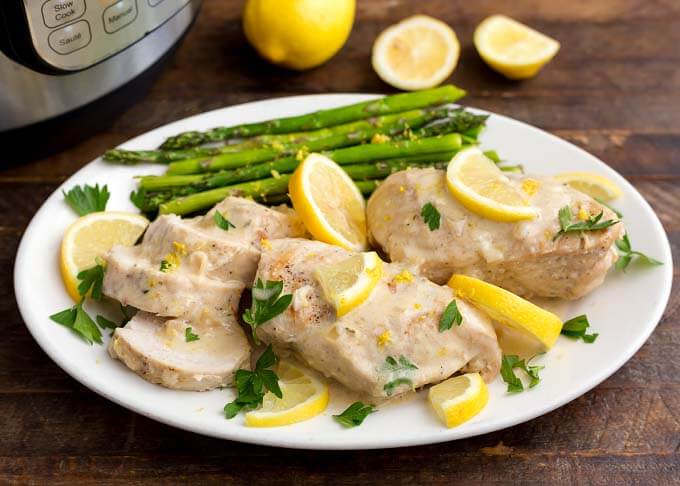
{"x": 156, "y": 349}
{"x": 399, "y": 319}
{"x": 191, "y": 273}
{"x": 521, "y": 257}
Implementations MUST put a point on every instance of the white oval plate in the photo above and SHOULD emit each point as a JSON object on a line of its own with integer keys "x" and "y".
{"x": 625, "y": 310}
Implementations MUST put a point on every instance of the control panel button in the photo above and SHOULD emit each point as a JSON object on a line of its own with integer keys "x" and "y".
{"x": 59, "y": 12}
{"x": 70, "y": 38}
{"x": 153, "y": 3}
{"x": 119, "y": 15}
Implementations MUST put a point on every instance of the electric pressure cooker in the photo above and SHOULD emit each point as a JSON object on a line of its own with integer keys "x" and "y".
{"x": 57, "y": 56}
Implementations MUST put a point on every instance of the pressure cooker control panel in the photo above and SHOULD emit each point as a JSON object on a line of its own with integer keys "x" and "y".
{"x": 71, "y": 35}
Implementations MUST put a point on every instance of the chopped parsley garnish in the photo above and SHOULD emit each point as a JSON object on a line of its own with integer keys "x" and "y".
{"x": 251, "y": 386}
{"x": 354, "y": 415}
{"x": 508, "y": 365}
{"x": 222, "y": 222}
{"x": 104, "y": 323}
{"x": 267, "y": 303}
{"x": 591, "y": 224}
{"x": 87, "y": 199}
{"x": 92, "y": 278}
{"x": 75, "y": 318}
{"x": 626, "y": 255}
{"x": 493, "y": 156}
{"x": 576, "y": 328}
{"x": 431, "y": 216}
{"x": 618, "y": 213}
{"x": 450, "y": 317}
{"x": 396, "y": 367}
{"x": 166, "y": 266}
{"x": 189, "y": 336}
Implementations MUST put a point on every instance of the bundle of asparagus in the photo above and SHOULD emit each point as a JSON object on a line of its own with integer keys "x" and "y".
{"x": 370, "y": 140}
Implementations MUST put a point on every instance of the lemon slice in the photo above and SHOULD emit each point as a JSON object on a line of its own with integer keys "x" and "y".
{"x": 329, "y": 203}
{"x": 304, "y": 396}
{"x": 348, "y": 283}
{"x": 482, "y": 187}
{"x": 458, "y": 399}
{"x": 594, "y": 185}
{"x": 92, "y": 236}
{"x": 513, "y": 49}
{"x": 507, "y": 309}
{"x": 417, "y": 53}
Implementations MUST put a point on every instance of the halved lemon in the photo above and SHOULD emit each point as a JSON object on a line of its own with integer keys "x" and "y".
{"x": 91, "y": 236}
{"x": 513, "y": 49}
{"x": 481, "y": 186}
{"x": 458, "y": 399}
{"x": 594, "y": 185}
{"x": 540, "y": 327}
{"x": 304, "y": 396}
{"x": 329, "y": 203}
{"x": 417, "y": 53}
{"x": 348, "y": 283}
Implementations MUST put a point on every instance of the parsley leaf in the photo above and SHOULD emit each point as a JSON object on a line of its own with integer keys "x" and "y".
{"x": 591, "y": 224}
{"x": 222, "y": 222}
{"x": 76, "y": 319}
{"x": 626, "y": 255}
{"x": 104, "y": 323}
{"x": 91, "y": 278}
{"x": 189, "y": 336}
{"x": 267, "y": 303}
{"x": 576, "y": 328}
{"x": 431, "y": 216}
{"x": 618, "y": 213}
{"x": 508, "y": 365}
{"x": 450, "y": 317}
{"x": 251, "y": 386}
{"x": 354, "y": 415}
{"x": 87, "y": 199}
{"x": 166, "y": 266}
{"x": 395, "y": 367}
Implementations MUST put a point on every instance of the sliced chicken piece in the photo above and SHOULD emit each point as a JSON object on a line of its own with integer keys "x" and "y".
{"x": 156, "y": 349}
{"x": 521, "y": 257}
{"x": 184, "y": 292}
{"x": 193, "y": 272}
{"x": 399, "y": 318}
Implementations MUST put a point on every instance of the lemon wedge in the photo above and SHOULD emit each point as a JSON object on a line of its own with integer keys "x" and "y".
{"x": 304, "y": 396}
{"x": 348, "y": 283}
{"x": 91, "y": 236}
{"x": 417, "y": 53}
{"x": 513, "y": 49}
{"x": 458, "y": 399}
{"x": 540, "y": 326}
{"x": 482, "y": 187}
{"x": 594, "y": 185}
{"x": 329, "y": 203}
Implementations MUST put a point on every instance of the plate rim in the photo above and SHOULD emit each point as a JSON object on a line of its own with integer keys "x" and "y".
{"x": 356, "y": 443}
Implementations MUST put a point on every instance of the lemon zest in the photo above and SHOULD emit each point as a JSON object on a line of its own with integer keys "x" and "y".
{"x": 403, "y": 277}
{"x": 384, "y": 338}
{"x": 265, "y": 244}
{"x": 530, "y": 186}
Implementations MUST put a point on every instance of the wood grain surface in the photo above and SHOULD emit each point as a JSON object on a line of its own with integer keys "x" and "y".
{"x": 614, "y": 89}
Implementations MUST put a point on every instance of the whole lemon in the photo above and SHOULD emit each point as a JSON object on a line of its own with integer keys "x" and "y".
{"x": 298, "y": 34}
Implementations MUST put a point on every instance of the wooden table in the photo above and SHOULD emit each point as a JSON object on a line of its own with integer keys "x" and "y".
{"x": 614, "y": 89}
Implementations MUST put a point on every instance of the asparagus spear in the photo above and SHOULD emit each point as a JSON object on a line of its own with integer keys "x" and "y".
{"x": 364, "y": 130}
{"x": 441, "y": 120}
{"x": 366, "y": 188}
{"x": 322, "y": 118}
{"x": 282, "y": 166}
{"x": 201, "y": 200}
